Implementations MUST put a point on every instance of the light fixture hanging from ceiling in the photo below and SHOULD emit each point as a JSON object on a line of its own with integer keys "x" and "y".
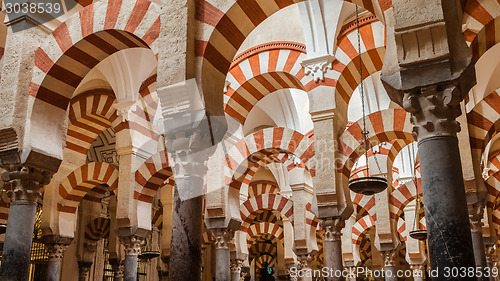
{"x": 367, "y": 185}
{"x": 416, "y": 232}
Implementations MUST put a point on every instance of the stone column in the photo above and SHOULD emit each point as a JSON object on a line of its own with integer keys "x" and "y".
{"x": 390, "y": 265}
{"x": 304, "y": 266}
{"x": 429, "y": 80}
{"x": 83, "y": 270}
{"x": 132, "y": 246}
{"x": 55, "y": 246}
{"x": 476, "y": 212}
{"x": 333, "y": 245}
{"x": 418, "y": 272}
{"x": 236, "y": 265}
{"x": 25, "y": 183}
{"x": 118, "y": 269}
{"x": 223, "y": 238}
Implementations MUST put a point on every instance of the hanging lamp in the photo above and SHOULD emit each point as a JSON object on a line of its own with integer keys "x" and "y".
{"x": 368, "y": 185}
{"x": 416, "y": 232}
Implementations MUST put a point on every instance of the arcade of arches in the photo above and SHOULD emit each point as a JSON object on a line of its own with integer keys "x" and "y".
{"x": 217, "y": 139}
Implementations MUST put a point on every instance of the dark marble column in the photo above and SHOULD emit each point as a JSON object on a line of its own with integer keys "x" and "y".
{"x": 25, "y": 183}
{"x": 132, "y": 245}
{"x": 430, "y": 85}
{"x": 390, "y": 265}
{"x": 333, "y": 246}
{"x": 55, "y": 246}
{"x": 117, "y": 269}
{"x": 83, "y": 270}
{"x": 185, "y": 257}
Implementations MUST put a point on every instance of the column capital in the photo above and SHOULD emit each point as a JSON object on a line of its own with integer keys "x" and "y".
{"x": 333, "y": 228}
{"x": 390, "y": 257}
{"x": 476, "y": 212}
{"x": 236, "y": 265}
{"x": 118, "y": 268}
{"x": 318, "y": 66}
{"x": 304, "y": 261}
{"x": 25, "y": 182}
{"x": 84, "y": 268}
{"x": 55, "y": 246}
{"x": 434, "y": 110}
{"x": 132, "y": 244}
{"x": 223, "y": 238}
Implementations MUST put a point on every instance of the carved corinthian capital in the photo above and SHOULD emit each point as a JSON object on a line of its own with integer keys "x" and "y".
{"x": 333, "y": 229}
{"x": 25, "y": 182}
{"x": 223, "y": 238}
{"x": 476, "y": 212}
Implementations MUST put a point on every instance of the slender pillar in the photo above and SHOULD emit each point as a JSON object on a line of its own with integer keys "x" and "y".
{"x": 333, "y": 246}
{"x": 83, "y": 270}
{"x": 223, "y": 238}
{"x": 236, "y": 265}
{"x": 25, "y": 183}
{"x": 118, "y": 269}
{"x": 476, "y": 212}
{"x": 55, "y": 246}
{"x": 418, "y": 272}
{"x": 185, "y": 257}
{"x": 390, "y": 265}
{"x": 429, "y": 80}
{"x": 132, "y": 246}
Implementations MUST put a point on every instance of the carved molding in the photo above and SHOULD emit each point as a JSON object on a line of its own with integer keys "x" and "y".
{"x": 132, "y": 244}
{"x": 236, "y": 265}
{"x": 317, "y": 67}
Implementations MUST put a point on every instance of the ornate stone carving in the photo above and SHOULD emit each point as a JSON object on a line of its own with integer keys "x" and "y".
{"x": 418, "y": 269}
{"x": 304, "y": 261}
{"x": 132, "y": 244}
{"x": 434, "y": 110}
{"x": 118, "y": 267}
{"x": 56, "y": 251}
{"x": 476, "y": 212}
{"x": 333, "y": 228}
{"x": 25, "y": 182}
{"x": 223, "y": 238}
{"x": 390, "y": 258}
{"x": 318, "y": 66}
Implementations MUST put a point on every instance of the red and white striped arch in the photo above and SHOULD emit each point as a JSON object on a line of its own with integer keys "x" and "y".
{"x": 261, "y": 71}
{"x": 258, "y": 146}
{"x": 259, "y": 263}
{"x": 90, "y": 113}
{"x": 85, "y": 39}
{"x": 383, "y": 126}
{"x": 264, "y": 228}
{"x": 249, "y": 209}
{"x": 367, "y": 203}
{"x": 262, "y": 187}
{"x": 403, "y": 195}
{"x": 260, "y": 248}
{"x": 96, "y": 229}
{"x": 479, "y": 19}
{"x": 81, "y": 181}
{"x": 311, "y": 218}
{"x": 360, "y": 227}
{"x": 486, "y": 38}
{"x": 226, "y": 24}
{"x": 346, "y": 69}
{"x": 151, "y": 175}
{"x": 482, "y": 121}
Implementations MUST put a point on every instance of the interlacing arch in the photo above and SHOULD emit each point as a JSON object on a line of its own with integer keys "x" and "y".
{"x": 81, "y": 181}
{"x": 96, "y": 229}
{"x": 402, "y": 196}
{"x": 264, "y": 228}
{"x": 262, "y": 187}
{"x": 382, "y": 126}
{"x": 90, "y": 113}
{"x": 264, "y": 202}
{"x": 360, "y": 227}
{"x": 258, "y": 146}
{"x": 346, "y": 65}
{"x": 226, "y": 25}
{"x": 154, "y": 173}
{"x": 261, "y": 71}
{"x": 87, "y": 38}
{"x": 263, "y": 259}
